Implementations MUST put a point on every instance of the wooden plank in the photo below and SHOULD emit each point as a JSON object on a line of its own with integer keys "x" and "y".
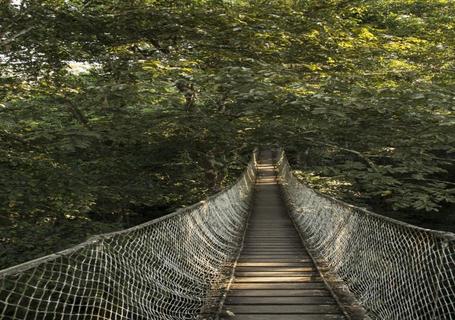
{"x": 281, "y": 223}
{"x": 275, "y": 256}
{"x": 273, "y": 251}
{"x": 276, "y": 248}
{"x": 272, "y": 207}
{"x": 288, "y": 317}
{"x": 265, "y": 222}
{"x": 271, "y": 246}
{"x": 284, "y": 309}
{"x": 280, "y": 293}
{"x": 278, "y": 279}
{"x": 264, "y": 229}
{"x": 279, "y": 300}
{"x": 285, "y": 248}
{"x": 268, "y": 199}
{"x": 276, "y": 268}
{"x": 271, "y": 226}
{"x": 258, "y": 255}
{"x": 290, "y": 245}
{"x": 270, "y": 229}
{"x": 268, "y": 235}
{"x": 280, "y": 286}
{"x": 269, "y": 219}
{"x": 275, "y": 261}
{"x": 276, "y": 225}
{"x": 242, "y": 261}
{"x": 277, "y": 234}
{"x": 294, "y": 243}
{"x": 283, "y": 237}
{"x": 276, "y": 273}
{"x": 273, "y": 240}
{"x": 273, "y": 264}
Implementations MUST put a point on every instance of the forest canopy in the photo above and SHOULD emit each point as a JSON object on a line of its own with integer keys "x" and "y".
{"x": 116, "y": 112}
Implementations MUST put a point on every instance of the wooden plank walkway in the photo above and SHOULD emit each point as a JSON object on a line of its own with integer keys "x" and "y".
{"x": 275, "y": 277}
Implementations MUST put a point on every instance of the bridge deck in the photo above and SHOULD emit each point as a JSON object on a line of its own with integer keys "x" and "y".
{"x": 275, "y": 277}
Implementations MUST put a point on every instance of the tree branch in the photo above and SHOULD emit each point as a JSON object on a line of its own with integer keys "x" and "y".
{"x": 431, "y": 180}
{"x": 367, "y": 160}
{"x": 14, "y": 37}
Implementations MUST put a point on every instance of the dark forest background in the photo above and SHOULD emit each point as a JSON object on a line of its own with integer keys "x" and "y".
{"x": 115, "y": 112}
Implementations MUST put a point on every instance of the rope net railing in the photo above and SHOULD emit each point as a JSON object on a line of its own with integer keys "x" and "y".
{"x": 169, "y": 268}
{"x": 395, "y": 270}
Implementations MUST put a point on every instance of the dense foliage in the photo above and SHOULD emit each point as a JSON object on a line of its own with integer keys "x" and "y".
{"x": 116, "y": 112}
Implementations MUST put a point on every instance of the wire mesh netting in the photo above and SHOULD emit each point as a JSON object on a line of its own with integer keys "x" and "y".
{"x": 395, "y": 270}
{"x": 169, "y": 268}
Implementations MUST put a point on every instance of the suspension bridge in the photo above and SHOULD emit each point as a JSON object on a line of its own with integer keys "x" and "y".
{"x": 267, "y": 248}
